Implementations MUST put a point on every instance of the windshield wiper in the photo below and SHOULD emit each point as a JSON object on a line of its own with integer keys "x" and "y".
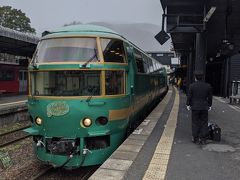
{"x": 91, "y": 59}
{"x": 93, "y": 91}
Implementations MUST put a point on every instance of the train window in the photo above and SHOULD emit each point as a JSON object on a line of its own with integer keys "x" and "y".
{"x": 67, "y": 50}
{"x": 66, "y": 83}
{"x": 139, "y": 61}
{"x": 113, "y": 50}
{"x": 6, "y": 75}
{"x": 145, "y": 64}
{"x": 114, "y": 82}
{"x": 154, "y": 65}
{"x": 150, "y": 65}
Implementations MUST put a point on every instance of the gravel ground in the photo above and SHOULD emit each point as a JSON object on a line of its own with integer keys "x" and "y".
{"x": 12, "y": 136}
{"x": 14, "y": 126}
{"x": 24, "y": 163}
{"x": 82, "y": 173}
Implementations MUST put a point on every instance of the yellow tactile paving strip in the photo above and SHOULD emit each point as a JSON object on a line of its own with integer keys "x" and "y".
{"x": 158, "y": 166}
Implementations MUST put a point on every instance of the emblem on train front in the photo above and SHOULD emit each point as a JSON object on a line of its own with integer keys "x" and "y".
{"x": 59, "y": 108}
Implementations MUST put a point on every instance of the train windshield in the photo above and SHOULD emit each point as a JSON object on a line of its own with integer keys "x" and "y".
{"x": 67, "y": 50}
{"x": 65, "y": 83}
{"x": 113, "y": 50}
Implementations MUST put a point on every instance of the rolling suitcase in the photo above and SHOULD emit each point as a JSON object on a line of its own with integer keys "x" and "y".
{"x": 214, "y": 132}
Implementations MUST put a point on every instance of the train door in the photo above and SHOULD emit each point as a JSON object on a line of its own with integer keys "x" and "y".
{"x": 23, "y": 81}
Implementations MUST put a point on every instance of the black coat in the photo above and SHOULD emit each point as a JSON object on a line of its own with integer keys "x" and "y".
{"x": 199, "y": 96}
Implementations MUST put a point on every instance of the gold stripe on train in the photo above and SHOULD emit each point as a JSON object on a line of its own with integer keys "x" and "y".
{"x": 119, "y": 114}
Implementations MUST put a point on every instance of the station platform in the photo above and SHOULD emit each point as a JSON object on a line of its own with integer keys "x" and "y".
{"x": 8, "y": 100}
{"x": 10, "y": 104}
{"x": 161, "y": 147}
{"x": 13, "y": 109}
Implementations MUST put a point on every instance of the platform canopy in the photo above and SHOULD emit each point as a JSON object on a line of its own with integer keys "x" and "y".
{"x": 219, "y": 19}
{"x": 17, "y": 43}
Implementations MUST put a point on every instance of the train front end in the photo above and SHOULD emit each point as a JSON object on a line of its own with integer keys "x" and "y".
{"x": 77, "y": 102}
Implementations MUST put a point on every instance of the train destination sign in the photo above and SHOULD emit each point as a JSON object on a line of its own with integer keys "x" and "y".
{"x": 59, "y": 108}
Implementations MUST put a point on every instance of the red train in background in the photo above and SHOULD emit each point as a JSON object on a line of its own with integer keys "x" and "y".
{"x": 13, "y": 78}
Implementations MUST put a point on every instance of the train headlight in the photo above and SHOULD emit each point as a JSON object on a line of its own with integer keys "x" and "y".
{"x": 38, "y": 121}
{"x": 87, "y": 122}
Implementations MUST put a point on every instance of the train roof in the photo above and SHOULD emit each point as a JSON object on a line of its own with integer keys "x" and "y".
{"x": 88, "y": 30}
{"x": 83, "y": 29}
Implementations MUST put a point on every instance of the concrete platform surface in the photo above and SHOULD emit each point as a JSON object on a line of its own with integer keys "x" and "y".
{"x": 12, "y": 104}
{"x": 216, "y": 160}
{"x": 4, "y": 100}
{"x": 161, "y": 147}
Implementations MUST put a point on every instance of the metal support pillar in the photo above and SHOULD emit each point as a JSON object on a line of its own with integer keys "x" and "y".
{"x": 189, "y": 70}
{"x": 191, "y": 66}
{"x": 226, "y": 77}
{"x": 200, "y": 60}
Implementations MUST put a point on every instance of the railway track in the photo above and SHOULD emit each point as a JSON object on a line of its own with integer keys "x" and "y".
{"x": 15, "y": 130}
{"x": 13, "y": 136}
{"x": 42, "y": 173}
{"x": 82, "y": 173}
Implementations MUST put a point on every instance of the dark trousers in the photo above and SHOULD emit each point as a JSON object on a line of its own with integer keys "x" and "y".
{"x": 200, "y": 124}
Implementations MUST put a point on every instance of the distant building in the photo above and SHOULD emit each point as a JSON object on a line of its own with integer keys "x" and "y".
{"x": 167, "y": 58}
{"x": 163, "y": 57}
{"x": 16, "y": 50}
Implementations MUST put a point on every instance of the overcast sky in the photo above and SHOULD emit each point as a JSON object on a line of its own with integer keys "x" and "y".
{"x": 50, "y": 14}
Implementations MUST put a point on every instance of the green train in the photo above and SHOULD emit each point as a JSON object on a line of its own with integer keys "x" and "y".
{"x": 88, "y": 86}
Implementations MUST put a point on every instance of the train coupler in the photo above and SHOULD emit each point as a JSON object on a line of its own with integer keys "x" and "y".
{"x": 62, "y": 146}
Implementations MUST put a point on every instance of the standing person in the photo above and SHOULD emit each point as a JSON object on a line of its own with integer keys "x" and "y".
{"x": 199, "y": 100}
{"x": 179, "y": 83}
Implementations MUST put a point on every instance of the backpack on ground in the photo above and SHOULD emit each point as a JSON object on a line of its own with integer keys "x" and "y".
{"x": 214, "y": 132}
